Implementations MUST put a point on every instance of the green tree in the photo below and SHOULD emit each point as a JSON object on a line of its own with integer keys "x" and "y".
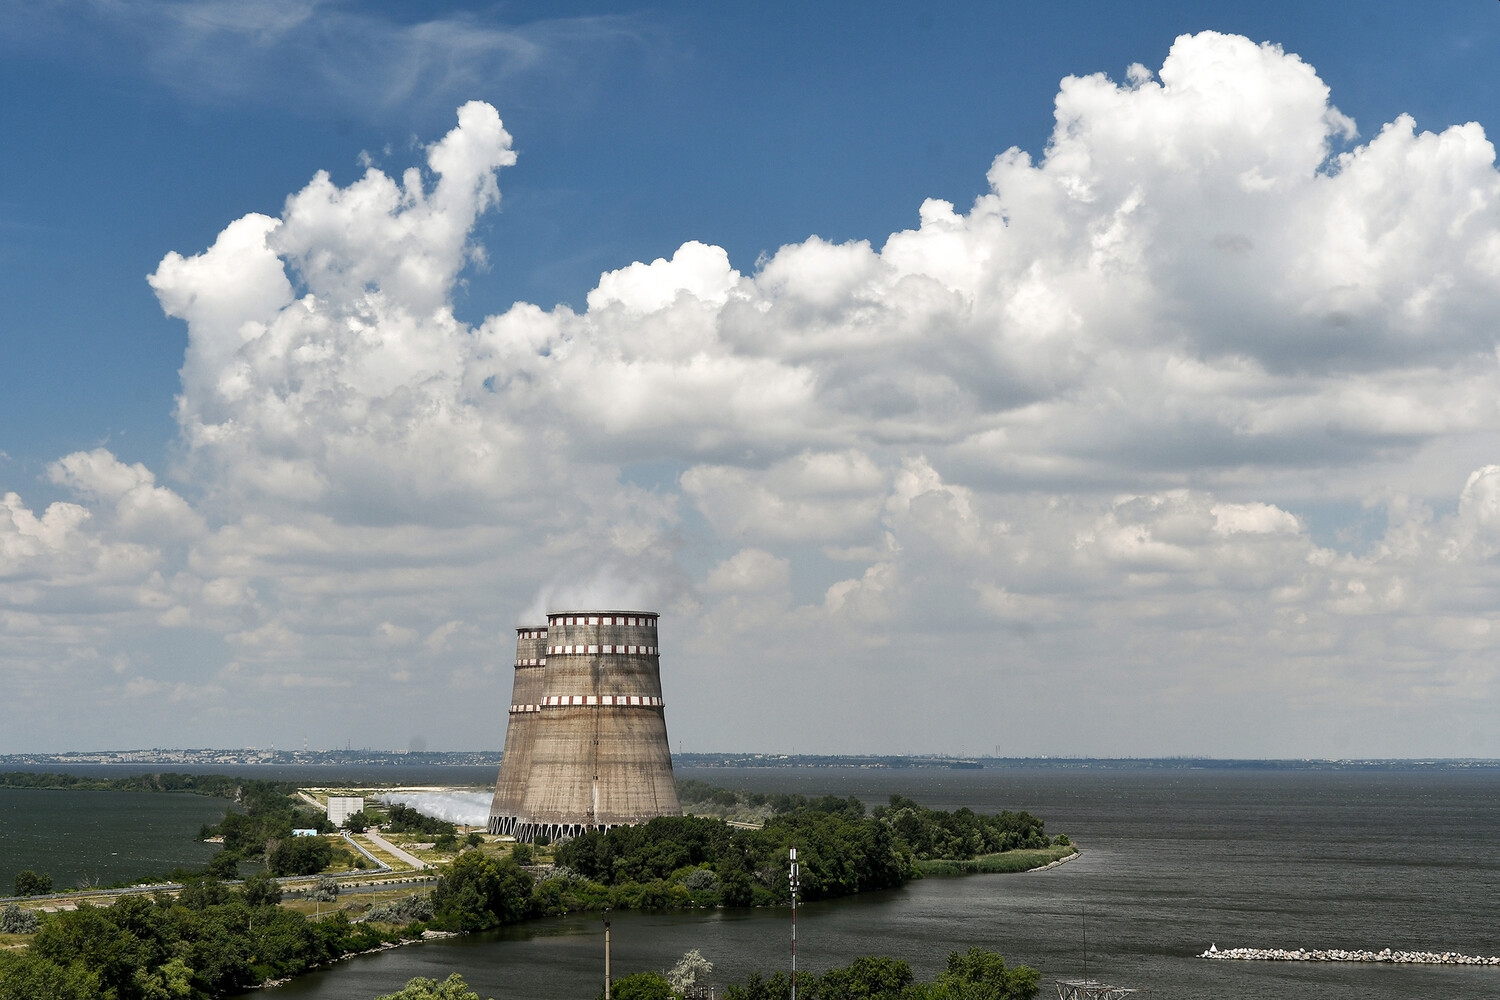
{"x": 261, "y": 889}
{"x": 477, "y": 892}
{"x": 201, "y": 893}
{"x": 870, "y": 978}
{"x": 89, "y": 936}
{"x": 981, "y": 975}
{"x": 452, "y": 988}
{"x": 640, "y": 986}
{"x": 474, "y": 839}
{"x": 27, "y": 976}
{"x": 357, "y": 822}
{"x": 30, "y": 883}
{"x": 225, "y": 865}
{"x": 300, "y": 856}
{"x": 778, "y": 987}
{"x": 173, "y": 981}
{"x": 327, "y": 890}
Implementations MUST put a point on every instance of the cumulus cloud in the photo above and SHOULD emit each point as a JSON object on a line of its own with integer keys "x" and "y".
{"x": 1080, "y": 435}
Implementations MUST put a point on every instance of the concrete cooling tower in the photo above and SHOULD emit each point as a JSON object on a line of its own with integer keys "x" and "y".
{"x": 586, "y": 746}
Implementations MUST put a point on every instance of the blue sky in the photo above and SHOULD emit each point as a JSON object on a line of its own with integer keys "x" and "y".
{"x": 641, "y": 128}
{"x": 139, "y": 129}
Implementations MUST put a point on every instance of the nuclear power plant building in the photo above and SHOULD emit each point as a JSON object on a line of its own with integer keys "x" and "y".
{"x": 586, "y": 745}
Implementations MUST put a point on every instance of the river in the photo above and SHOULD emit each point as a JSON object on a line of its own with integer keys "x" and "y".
{"x": 1173, "y": 861}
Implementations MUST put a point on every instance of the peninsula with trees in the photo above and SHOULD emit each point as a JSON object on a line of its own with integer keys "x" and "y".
{"x": 211, "y": 936}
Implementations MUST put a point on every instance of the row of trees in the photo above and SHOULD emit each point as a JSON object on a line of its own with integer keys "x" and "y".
{"x": 961, "y": 834}
{"x": 674, "y": 862}
{"x": 686, "y": 861}
{"x": 698, "y": 861}
{"x": 977, "y": 974}
{"x": 219, "y": 785}
{"x": 973, "y": 975}
{"x": 928, "y": 833}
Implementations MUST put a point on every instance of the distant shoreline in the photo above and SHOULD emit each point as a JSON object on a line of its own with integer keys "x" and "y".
{"x": 193, "y": 760}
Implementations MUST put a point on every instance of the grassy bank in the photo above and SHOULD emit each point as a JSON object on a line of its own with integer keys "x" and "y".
{"x": 1022, "y": 860}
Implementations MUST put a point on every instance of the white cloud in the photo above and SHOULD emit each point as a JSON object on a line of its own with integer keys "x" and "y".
{"x": 814, "y": 495}
{"x": 1083, "y": 434}
{"x": 749, "y": 571}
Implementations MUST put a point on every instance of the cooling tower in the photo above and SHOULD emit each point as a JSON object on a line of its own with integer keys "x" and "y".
{"x": 525, "y": 703}
{"x": 595, "y": 751}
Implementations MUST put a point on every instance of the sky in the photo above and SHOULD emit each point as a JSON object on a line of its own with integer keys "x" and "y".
{"x": 1092, "y": 379}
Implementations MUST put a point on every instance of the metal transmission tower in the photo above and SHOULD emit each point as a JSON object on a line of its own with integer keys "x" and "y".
{"x": 793, "y": 875}
{"x": 1090, "y": 989}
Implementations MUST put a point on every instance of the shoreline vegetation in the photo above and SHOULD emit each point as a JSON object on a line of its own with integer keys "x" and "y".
{"x": 977, "y": 974}
{"x": 215, "y": 937}
{"x": 1006, "y": 863}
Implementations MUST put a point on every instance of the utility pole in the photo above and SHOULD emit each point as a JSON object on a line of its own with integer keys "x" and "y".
{"x": 792, "y": 875}
{"x": 606, "y": 953}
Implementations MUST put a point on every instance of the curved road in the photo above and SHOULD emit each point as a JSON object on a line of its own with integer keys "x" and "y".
{"x": 386, "y": 845}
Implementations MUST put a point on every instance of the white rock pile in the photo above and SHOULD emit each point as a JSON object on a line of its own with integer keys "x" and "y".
{"x": 1339, "y": 955}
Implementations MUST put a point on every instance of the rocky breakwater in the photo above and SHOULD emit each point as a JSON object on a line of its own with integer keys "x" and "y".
{"x": 1339, "y": 955}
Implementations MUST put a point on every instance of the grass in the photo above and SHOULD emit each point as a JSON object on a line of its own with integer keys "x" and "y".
{"x": 353, "y": 900}
{"x": 994, "y": 864}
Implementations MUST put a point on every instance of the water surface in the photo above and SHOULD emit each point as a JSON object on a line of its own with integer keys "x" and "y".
{"x": 99, "y": 838}
{"x": 1173, "y": 861}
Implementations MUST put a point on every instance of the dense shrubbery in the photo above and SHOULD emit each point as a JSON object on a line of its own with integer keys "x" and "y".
{"x": 30, "y": 883}
{"x": 928, "y": 833}
{"x": 14, "y": 920}
{"x": 23, "y": 977}
{"x": 691, "y": 861}
{"x": 209, "y": 942}
{"x": 452, "y": 988}
{"x": 402, "y": 911}
{"x": 478, "y": 892}
{"x": 931, "y": 833}
{"x": 687, "y": 861}
{"x": 974, "y": 975}
{"x": 300, "y": 856}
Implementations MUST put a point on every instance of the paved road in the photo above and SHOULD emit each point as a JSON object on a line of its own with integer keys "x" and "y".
{"x": 386, "y": 845}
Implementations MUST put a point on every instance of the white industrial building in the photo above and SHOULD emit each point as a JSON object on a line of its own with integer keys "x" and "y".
{"x": 341, "y": 807}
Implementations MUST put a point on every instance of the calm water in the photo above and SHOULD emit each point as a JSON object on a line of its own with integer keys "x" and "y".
{"x": 107, "y": 837}
{"x": 1173, "y": 861}
{"x": 101, "y": 837}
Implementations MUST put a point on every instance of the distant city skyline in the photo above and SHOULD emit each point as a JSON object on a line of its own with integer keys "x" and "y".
{"x": 1105, "y": 381}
